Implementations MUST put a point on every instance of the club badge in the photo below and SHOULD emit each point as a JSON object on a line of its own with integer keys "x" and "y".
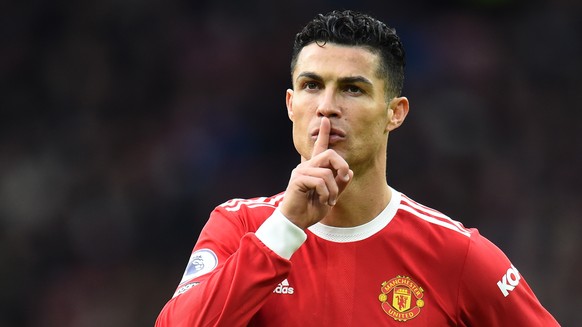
{"x": 401, "y": 298}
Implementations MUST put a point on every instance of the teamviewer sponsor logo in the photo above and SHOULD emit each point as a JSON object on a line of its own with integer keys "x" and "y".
{"x": 284, "y": 288}
{"x": 509, "y": 281}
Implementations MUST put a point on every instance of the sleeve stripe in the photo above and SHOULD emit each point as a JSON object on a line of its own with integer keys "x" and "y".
{"x": 432, "y": 216}
{"x": 235, "y": 204}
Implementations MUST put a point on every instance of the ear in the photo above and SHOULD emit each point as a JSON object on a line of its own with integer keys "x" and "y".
{"x": 289, "y": 102}
{"x": 397, "y": 111}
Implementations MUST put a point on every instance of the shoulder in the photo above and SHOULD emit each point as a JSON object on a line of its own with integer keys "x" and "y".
{"x": 238, "y": 204}
{"x": 494, "y": 292}
{"x": 246, "y": 214}
{"x": 434, "y": 236}
{"x": 432, "y": 219}
{"x": 491, "y": 290}
{"x": 231, "y": 220}
{"x": 479, "y": 250}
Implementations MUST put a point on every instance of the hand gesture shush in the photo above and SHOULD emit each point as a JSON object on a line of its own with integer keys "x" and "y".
{"x": 316, "y": 184}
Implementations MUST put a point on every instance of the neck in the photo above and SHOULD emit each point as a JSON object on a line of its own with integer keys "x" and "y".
{"x": 364, "y": 198}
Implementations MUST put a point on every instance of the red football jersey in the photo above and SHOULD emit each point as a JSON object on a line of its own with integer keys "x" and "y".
{"x": 410, "y": 266}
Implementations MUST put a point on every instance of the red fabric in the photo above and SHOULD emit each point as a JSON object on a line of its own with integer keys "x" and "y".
{"x": 422, "y": 267}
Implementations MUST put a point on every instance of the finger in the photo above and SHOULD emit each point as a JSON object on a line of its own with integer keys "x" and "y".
{"x": 322, "y": 141}
{"x": 312, "y": 187}
{"x": 332, "y": 160}
{"x": 343, "y": 181}
{"x": 322, "y": 180}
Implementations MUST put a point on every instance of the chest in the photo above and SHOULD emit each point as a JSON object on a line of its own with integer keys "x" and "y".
{"x": 379, "y": 281}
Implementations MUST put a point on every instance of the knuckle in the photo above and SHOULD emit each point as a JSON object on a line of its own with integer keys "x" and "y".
{"x": 321, "y": 183}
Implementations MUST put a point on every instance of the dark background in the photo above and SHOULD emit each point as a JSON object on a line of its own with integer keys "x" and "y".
{"x": 123, "y": 123}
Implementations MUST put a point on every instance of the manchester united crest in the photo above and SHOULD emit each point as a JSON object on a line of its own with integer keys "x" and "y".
{"x": 401, "y": 298}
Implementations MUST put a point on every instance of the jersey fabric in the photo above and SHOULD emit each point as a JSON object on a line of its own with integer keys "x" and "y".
{"x": 410, "y": 266}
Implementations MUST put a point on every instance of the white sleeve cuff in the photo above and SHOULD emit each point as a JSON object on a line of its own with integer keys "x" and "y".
{"x": 281, "y": 235}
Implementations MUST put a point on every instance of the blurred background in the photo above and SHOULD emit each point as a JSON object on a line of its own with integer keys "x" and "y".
{"x": 124, "y": 123}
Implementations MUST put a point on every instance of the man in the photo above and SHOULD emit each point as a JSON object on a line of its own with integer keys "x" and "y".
{"x": 340, "y": 247}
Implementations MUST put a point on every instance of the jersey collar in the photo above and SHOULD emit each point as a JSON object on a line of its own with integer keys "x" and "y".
{"x": 362, "y": 232}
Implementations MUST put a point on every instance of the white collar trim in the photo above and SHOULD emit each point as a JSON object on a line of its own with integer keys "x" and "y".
{"x": 362, "y": 232}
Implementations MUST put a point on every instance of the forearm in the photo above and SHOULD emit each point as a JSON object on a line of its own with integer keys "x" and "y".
{"x": 232, "y": 293}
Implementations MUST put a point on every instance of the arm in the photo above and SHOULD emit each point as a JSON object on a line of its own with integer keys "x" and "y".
{"x": 232, "y": 272}
{"x": 249, "y": 265}
{"x": 494, "y": 293}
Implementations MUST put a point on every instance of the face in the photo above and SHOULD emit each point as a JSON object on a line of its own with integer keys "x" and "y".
{"x": 341, "y": 83}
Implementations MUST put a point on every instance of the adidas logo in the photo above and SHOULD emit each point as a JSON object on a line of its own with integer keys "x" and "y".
{"x": 284, "y": 288}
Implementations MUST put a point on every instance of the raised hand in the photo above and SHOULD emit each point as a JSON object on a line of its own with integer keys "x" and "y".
{"x": 316, "y": 184}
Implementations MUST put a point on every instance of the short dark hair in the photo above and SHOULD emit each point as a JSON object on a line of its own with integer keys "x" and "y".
{"x": 357, "y": 29}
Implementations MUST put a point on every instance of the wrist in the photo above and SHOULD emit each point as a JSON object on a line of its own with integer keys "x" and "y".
{"x": 281, "y": 235}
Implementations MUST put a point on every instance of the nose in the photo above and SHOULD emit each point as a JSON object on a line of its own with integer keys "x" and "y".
{"x": 328, "y": 105}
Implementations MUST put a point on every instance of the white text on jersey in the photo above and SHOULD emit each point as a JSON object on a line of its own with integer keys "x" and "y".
{"x": 284, "y": 288}
{"x": 509, "y": 281}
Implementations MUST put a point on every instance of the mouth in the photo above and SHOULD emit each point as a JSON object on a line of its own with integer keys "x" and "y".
{"x": 335, "y": 135}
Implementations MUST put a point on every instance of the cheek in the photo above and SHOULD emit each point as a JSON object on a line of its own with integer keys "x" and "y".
{"x": 299, "y": 129}
{"x": 301, "y": 116}
{"x": 371, "y": 131}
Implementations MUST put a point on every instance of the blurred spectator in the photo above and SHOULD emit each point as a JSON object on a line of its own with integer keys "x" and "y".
{"x": 122, "y": 124}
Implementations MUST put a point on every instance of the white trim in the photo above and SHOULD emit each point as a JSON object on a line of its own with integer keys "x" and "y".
{"x": 432, "y": 212}
{"x": 444, "y": 222}
{"x": 235, "y": 204}
{"x": 280, "y": 235}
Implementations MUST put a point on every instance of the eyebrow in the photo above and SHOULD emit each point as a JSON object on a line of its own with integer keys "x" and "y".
{"x": 343, "y": 80}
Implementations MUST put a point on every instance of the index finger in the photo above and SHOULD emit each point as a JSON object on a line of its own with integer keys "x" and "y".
{"x": 322, "y": 141}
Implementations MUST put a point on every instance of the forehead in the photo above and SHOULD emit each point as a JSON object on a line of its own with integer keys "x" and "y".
{"x": 337, "y": 60}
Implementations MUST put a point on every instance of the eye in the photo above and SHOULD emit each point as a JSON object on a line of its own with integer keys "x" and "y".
{"x": 311, "y": 85}
{"x": 353, "y": 89}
